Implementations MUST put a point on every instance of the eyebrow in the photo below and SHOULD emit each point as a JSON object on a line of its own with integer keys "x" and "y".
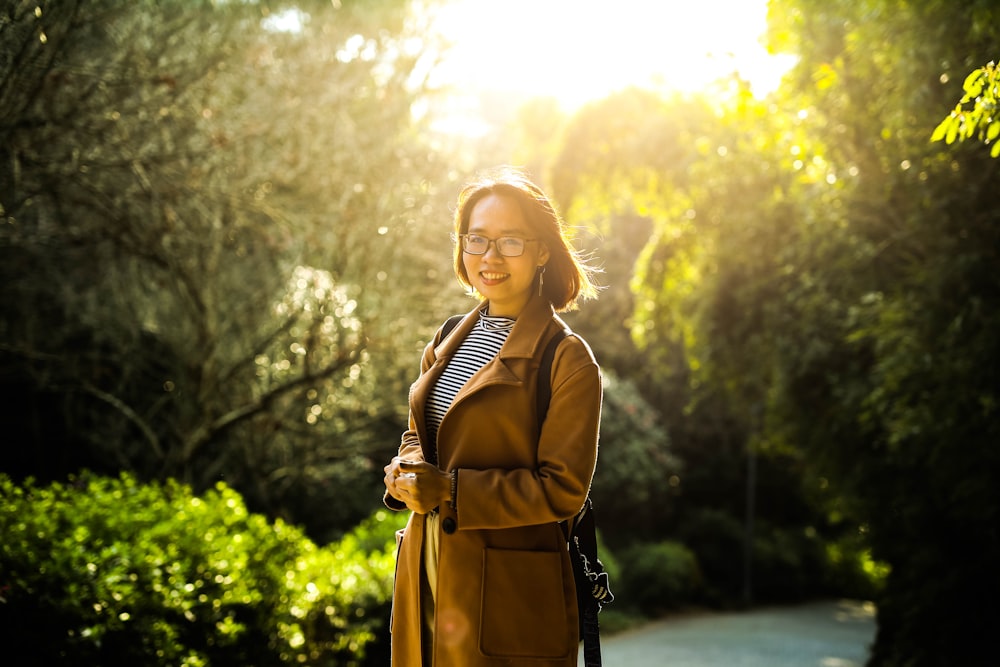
{"x": 510, "y": 231}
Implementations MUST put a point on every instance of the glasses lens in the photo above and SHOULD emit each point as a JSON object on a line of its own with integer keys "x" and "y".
{"x": 475, "y": 244}
{"x": 510, "y": 246}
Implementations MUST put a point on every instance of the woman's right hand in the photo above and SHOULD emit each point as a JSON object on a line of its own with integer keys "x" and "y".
{"x": 392, "y": 473}
{"x": 420, "y": 485}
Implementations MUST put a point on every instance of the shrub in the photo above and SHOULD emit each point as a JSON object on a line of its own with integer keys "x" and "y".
{"x": 113, "y": 572}
{"x": 717, "y": 539}
{"x": 788, "y": 564}
{"x": 630, "y": 497}
{"x": 659, "y": 576}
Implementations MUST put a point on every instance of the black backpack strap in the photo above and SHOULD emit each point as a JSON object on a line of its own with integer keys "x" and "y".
{"x": 543, "y": 393}
{"x": 450, "y": 324}
{"x": 593, "y": 586}
{"x": 581, "y": 533}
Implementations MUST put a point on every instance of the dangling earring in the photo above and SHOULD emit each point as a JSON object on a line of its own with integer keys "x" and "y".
{"x": 541, "y": 279}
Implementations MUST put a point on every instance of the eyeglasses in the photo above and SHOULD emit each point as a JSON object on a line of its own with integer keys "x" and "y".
{"x": 508, "y": 246}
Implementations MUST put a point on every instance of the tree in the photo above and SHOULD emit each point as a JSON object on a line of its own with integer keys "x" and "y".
{"x": 907, "y": 429}
{"x": 980, "y": 121}
{"x": 685, "y": 199}
{"x": 207, "y": 224}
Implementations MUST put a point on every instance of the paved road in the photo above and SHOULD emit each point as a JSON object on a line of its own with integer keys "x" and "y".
{"x": 822, "y": 634}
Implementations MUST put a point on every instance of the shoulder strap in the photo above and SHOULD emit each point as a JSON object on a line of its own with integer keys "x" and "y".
{"x": 593, "y": 585}
{"x": 450, "y": 324}
{"x": 544, "y": 392}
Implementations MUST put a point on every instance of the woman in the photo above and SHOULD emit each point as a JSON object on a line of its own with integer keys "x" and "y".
{"x": 483, "y": 575}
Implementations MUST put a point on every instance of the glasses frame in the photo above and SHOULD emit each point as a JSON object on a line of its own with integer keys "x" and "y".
{"x": 463, "y": 240}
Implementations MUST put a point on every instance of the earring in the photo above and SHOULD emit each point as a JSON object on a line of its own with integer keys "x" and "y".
{"x": 541, "y": 279}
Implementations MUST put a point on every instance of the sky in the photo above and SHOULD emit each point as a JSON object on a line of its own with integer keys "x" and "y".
{"x": 582, "y": 50}
{"x": 578, "y": 51}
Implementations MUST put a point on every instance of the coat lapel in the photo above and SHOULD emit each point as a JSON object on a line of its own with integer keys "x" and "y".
{"x": 509, "y": 367}
{"x": 511, "y": 364}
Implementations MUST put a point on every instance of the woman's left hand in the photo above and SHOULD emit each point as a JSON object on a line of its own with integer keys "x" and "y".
{"x": 421, "y": 485}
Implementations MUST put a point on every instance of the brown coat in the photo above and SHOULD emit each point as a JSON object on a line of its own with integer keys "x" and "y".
{"x": 505, "y": 586}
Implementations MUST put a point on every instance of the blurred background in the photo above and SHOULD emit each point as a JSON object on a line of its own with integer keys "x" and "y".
{"x": 225, "y": 239}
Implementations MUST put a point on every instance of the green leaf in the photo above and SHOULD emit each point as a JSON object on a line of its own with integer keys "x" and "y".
{"x": 952, "y": 132}
{"x": 993, "y": 131}
{"x": 942, "y": 128}
{"x": 995, "y": 151}
{"x": 973, "y": 85}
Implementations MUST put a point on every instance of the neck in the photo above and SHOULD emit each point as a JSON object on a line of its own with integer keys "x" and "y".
{"x": 511, "y": 310}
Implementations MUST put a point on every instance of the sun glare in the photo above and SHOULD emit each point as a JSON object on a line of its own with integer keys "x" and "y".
{"x": 581, "y": 50}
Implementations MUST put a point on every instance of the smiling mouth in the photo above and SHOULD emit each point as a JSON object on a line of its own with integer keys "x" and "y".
{"x": 490, "y": 277}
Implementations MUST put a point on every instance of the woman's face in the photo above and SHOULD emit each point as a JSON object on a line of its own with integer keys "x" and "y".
{"x": 507, "y": 282}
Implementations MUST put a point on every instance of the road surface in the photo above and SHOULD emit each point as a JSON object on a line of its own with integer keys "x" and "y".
{"x": 821, "y": 634}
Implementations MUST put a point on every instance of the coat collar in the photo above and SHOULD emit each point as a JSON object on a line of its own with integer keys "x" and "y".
{"x": 525, "y": 338}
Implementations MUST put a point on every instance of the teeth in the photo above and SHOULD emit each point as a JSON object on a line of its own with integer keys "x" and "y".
{"x": 494, "y": 276}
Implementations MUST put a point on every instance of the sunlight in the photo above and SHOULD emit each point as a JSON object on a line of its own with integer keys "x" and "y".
{"x": 288, "y": 20}
{"x": 581, "y": 50}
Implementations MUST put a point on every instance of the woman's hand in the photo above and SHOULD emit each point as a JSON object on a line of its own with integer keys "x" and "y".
{"x": 392, "y": 473}
{"x": 420, "y": 485}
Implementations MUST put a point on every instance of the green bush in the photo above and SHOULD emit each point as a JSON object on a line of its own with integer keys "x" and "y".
{"x": 630, "y": 497}
{"x": 788, "y": 564}
{"x": 104, "y": 571}
{"x": 717, "y": 538}
{"x": 850, "y": 569}
{"x": 660, "y": 576}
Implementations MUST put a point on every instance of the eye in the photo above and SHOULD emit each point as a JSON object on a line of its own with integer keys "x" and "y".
{"x": 510, "y": 243}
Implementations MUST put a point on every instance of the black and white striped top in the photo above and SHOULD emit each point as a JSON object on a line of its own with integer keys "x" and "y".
{"x": 479, "y": 347}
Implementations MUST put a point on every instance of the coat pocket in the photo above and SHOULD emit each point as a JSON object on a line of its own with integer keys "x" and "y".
{"x": 523, "y": 605}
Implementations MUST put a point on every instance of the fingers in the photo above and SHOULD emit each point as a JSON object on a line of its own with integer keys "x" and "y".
{"x": 415, "y": 483}
{"x": 390, "y": 486}
{"x": 413, "y": 491}
{"x": 393, "y": 474}
{"x": 414, "y": 468}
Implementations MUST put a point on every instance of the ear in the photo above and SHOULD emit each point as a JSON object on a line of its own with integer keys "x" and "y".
{"x": 543, "y": 254}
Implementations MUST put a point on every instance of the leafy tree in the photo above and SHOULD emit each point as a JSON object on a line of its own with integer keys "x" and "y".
{"x": 685, "y": 197}
{"x": 638, "y": 474}
{"x": 618, "y": 156}
{"x": 980, "y": 121}
{"x": 207, "y": 224}
{"x": 907, "y": 429}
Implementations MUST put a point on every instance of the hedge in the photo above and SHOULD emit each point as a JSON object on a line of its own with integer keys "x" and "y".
{"x": 110, "y": 571}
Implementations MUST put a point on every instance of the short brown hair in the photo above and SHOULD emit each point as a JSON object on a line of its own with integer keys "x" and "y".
{"x": 568, "y": 277}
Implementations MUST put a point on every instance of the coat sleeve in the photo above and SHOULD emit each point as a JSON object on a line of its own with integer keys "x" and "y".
{"x": 409, "y": 446}
{"x": 556, "y": 488}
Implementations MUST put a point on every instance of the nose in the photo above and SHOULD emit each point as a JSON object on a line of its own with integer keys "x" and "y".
{"x": 494, "y": 247}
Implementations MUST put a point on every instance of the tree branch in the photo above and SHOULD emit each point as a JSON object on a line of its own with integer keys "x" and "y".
{"x": 225, "y": 422}
{"x": 129, "y": 413}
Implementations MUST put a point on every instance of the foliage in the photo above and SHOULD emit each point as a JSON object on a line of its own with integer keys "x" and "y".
{"x": 692, "y": 333}
{"x": 634, "y": 461}
{"x": 716, "y": 537}
{"x": 812, "y": 294}
{"x": 109, "y": 571}
{"x": 660, "y": 576}
{"x": 206, "y": 224}
{"x": 904, "y": 388}
{"x": 214, "y": 234}
{"x": 981, "y": 121}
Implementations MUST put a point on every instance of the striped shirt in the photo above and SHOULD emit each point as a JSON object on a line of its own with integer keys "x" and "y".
{"x": 479, "y": 347}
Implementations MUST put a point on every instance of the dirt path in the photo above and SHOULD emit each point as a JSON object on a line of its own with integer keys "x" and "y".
{"x": 822, "y": 634}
